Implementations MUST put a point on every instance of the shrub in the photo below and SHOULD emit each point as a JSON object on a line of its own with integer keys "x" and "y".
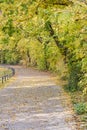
{"x": 81, "y": 108}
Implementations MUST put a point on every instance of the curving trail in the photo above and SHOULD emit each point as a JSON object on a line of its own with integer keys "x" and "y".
{"x": 34, "y": 102}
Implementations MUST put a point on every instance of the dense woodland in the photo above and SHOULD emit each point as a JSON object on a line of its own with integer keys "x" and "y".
{"x": 46, "y": 34}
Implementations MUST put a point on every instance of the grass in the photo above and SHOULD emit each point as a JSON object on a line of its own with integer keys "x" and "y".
{"x": 79, "y": 102}
{"x": 5, "y": 84}
{"x": 4, "y": 71}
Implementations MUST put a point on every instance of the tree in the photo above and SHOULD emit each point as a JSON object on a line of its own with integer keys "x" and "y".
{"x": 52, "y": 28}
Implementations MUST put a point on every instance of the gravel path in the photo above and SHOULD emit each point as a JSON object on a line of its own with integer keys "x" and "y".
{"x": 34, "y": 102}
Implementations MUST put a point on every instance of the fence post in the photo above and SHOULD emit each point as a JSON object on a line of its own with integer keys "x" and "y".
{"x": 7, "y": 76}
{"x": 2, "y": 80}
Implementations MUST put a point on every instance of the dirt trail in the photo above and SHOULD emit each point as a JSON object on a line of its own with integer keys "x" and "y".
{"x": 34, "y": 102}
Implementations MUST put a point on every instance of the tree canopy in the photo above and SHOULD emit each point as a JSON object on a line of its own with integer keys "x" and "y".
{"x": 44, "y": 32}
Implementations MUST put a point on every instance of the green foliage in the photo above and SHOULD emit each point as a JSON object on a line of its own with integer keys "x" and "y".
{"x": 37, "y": 54}
{"x": 81, "y": 108}
{"x": 8, "y": 28}
{"x": 53, "y": 56}
{"x": 43, "y": 33}
{"x": 11, "y": 57}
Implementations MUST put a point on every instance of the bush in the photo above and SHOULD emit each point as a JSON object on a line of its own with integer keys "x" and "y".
{"x": 81, "y": 108}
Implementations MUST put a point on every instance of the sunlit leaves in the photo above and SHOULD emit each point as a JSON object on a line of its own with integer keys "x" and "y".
{"x": 31, "y": 29}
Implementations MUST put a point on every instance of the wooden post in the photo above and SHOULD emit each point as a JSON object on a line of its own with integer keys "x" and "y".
{"x": 2, "y": 80}
{"x": 7, "y": 76}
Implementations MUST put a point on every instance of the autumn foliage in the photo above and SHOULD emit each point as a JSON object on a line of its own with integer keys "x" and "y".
{"x": 45, "y": 33}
